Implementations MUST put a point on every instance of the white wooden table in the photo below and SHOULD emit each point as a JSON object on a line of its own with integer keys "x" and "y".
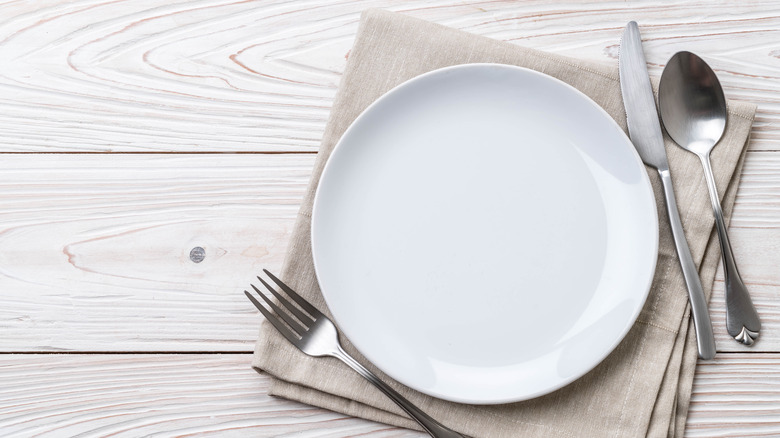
{"x": 132, "y": 132}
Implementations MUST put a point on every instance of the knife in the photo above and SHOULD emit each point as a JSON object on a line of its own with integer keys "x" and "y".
{"x": 644, "y": 129}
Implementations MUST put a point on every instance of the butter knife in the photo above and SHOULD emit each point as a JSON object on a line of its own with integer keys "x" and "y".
{"x": 644, "y": 129}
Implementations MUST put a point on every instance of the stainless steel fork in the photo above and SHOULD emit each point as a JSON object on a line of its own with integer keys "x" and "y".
{"x": 314, "y": 334}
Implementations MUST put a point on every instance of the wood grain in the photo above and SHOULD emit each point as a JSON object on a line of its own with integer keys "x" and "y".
{"x": 226, "y": 75}
{"x": 736, "y": 395}
{"x": 219, "y": 395}
{"x": 755, "y": 237}
{"x": 96, "y": 248}
{"x": 157, "y": 395}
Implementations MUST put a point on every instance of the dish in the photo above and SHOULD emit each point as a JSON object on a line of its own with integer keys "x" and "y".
{"x": 484, "y": 233}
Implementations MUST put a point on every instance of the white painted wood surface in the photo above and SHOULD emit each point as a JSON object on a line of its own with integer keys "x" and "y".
{"x": 162, "y": 395}
{"x": 219, "y": 395}
{"x": 225, "y": 75}
{"x": 736, "y": 395}
{"x": 94, "y": 248}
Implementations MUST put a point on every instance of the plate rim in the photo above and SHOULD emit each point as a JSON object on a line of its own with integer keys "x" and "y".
{"x": 645, "y": 182}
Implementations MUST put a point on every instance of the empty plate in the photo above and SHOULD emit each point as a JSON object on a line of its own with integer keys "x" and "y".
{"x": 484, "y": 233}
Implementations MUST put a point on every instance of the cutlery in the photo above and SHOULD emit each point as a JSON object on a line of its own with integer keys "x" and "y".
{"x": 314, "y": 334}
{"x": 645, "y": 132}
{"x": 693, "y": 111}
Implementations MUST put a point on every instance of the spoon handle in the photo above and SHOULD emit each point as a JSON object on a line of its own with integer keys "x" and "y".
{"x": 705, "y": 340}
{"x": 742, "y": 320}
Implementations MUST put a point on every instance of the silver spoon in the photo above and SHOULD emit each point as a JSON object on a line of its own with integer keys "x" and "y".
{"x": 693, "y": 110}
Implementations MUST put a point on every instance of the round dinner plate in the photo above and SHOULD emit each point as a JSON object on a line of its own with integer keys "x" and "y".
{"x": 484, "y": 233}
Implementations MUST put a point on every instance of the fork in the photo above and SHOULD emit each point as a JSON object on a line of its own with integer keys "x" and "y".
{"x": 314, "y": 334}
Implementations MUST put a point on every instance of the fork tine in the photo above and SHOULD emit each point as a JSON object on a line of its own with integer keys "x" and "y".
{"x": 294, "y": 325}
{"x": 287, "y": 333}
{"x": 302, "y": 317}
{"x": 294, "y": 295}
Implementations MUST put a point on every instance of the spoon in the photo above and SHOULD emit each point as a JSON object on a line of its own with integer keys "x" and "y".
{"x": 693, "y": 111}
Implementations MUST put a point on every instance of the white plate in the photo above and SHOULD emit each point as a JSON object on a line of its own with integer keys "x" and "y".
{"x": 485, "y": 233}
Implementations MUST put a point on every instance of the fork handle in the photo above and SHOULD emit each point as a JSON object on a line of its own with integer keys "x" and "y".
{"x": 433, "y": 427}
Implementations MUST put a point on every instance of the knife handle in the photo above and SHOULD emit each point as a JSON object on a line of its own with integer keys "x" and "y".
{"x": 705, "y": 339}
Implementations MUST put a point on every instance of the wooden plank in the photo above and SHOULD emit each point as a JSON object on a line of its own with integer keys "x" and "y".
{"x": 96, "y": 248}
{"x": 161, "y": 395}
{"x": 737, "y": 395}
{"x": 224, "y": 75}
{"x": 755, "y": 237}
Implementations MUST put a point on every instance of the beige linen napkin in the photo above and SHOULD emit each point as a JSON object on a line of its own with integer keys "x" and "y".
{"x": 643, "y": 388}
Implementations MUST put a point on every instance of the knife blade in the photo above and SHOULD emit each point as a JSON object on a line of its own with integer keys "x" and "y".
{"x": 641, "y": 114}
{"x": 644, "y": 129}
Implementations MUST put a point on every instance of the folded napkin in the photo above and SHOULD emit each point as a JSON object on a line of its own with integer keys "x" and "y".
{"x": 643, "y": 388}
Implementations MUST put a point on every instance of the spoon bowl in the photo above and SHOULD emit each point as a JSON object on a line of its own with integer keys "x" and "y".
{"x": 693, "y": 107}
